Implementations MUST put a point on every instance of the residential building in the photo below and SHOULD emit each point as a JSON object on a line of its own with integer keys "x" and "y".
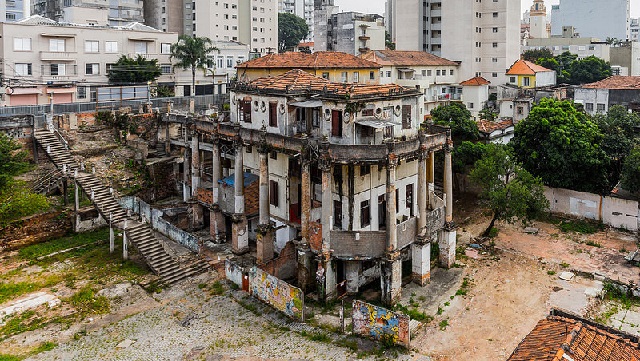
{"x": 526, "y": 74}
{"x": 515, "y": 103}
{"x": 226, "y": 58}
{"x": 174, "y": 16}
{"x": 626, "y": 57}
{"x": 249, "y": 22}
{"x": 582, "y": 47}
{"x": 345, "y": 177}
{"x": 538, "y": 20}
{"x": 497, "y": 132}
{"x": 598, "y": 97}
{"x": 42, "y": 57}
{"x": 566, "y": 336}
{"x": 14, "y": 10}
{"x": 593, "y": 18}
{"x": 634, "y": 29}
{"x": 303, "y": 9}
{"x": 475, "y": 94}
{"x": 435, "y": 77}
{"x": 482, "y": 36}
{"x": 118, "y": 12}
{"x": 351, "y": 32}
{"x": 330, "y": 65}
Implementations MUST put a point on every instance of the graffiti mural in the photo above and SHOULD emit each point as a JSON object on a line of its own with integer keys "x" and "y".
{"x": 233, "y": 272}
{"x": 377, "y": 322}
{"x": 279, "y": 294}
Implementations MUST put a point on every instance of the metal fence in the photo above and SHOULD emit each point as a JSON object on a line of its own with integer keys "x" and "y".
{"x": 201, "y": 102}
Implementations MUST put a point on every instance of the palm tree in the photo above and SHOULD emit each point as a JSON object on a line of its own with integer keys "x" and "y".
{"x": 192, "y": 53}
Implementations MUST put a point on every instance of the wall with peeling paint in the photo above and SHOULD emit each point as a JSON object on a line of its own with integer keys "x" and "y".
{"x": 279, "y": 294}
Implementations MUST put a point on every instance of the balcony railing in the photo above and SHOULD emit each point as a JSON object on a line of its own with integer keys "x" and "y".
{"x": 59, "y": 55}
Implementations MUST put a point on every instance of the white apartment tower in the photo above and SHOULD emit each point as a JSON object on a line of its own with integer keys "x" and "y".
{"x": 484, "y": 36}
{"x": 95, "y": 12}
{"x": 538, "y": 20}
{"x": 593, "y": 18}
{"x": 301, "y": 8}
{"x": 252, "y": 22}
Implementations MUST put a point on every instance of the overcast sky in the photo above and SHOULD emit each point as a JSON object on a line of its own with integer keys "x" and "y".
{"x": 377, "y": 6}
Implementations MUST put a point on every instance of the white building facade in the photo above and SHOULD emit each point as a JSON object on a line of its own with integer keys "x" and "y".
{"x": 483, "y": 36}
{"x": 593, "y": 18}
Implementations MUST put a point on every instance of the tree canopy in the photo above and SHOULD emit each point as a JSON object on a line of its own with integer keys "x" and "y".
{"x": 631, "y": 171}
{"x": 458, "y": 117}
{"x": 12, "y": 160}
{"x": 192, "y": 52}
{"x": 563, "y": 147}
{"x": 291, "y": 29}
{"x": 535, "y": 54}
{"x": 134, "y": 71}
{"x": 507, "y": 188}
{"x": 569, "y": 68}
{"x": 589, "y": 70}
{"x": 619, "y": 138}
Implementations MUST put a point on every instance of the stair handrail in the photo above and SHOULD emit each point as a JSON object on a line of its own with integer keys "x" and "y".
{"x": 61, "y": 138}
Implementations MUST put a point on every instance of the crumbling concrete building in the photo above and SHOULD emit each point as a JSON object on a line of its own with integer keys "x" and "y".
{"x": 343, "y": 171}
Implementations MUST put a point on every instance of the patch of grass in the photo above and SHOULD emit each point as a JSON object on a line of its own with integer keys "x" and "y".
{"x": 42, "y": 249}
{"x": 564, "y": 264}
{"x": 443, "y": 325}
{"x": 85, "y": 301}
{"x": 580, "y": 226}
{"x": 440, "y": 310}
{"x": 593, "y": 244}
{"x": 27, "y": 321}
{"x": 46, "y": 346}
{"x": 414, "y": 314}
{"x": 249, "y": 307}
{"x": 615, "y": 293}
{"x": 348, "y": 343}
{"x": 217, "y": 288}
{"x": 202, "y": 285}
{"x": 4, "y": 357}
{"x": 9, "y": 291}
{"x": 493, "y": 233}
{"x": 154, "y": 287}
{"x": 551, "y": 273}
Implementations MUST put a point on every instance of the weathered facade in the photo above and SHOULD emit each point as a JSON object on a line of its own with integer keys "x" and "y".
{"x": 342, "y": 171}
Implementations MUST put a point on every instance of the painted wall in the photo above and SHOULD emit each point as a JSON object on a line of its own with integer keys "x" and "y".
{"x": 233, "y": 272}
{"x": 277, "y": 293}
{"x": 377, "y": 322}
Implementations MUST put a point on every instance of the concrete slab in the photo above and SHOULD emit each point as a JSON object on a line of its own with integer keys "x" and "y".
{"x": 566, "y": 276}
{"x": 574, "y": 296}
{"x": 627, "y": 321}
{"x": 28, "y": 302}
{"x": 125, "y": 344}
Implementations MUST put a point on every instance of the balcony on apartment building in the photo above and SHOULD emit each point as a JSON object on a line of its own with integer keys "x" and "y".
{"x": 58, "y": 55}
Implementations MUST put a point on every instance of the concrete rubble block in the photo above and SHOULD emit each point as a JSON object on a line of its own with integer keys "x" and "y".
{"x": 28, "y": 302}
{"x": 125, "y": 344}
{"x": 566, "y": 276}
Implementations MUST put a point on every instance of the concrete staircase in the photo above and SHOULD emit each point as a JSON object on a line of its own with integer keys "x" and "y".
{"x": 138, "y": 233}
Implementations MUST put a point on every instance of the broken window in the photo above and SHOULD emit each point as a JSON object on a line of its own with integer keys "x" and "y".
{"x": 406, "y": 117}
{"x": 245, "y": 110}
{"x": 365, "y": 170}
{"x": 273, "y": 114}
{"x": 382, "y": 212}
{"x": 273, "y": 193}
{"x": 337, "y": 214}
{"x": 409, "y": 198}
{"x": 365, "y": 214}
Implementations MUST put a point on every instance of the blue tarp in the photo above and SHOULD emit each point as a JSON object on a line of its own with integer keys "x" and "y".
{"x": 230, "y": 180}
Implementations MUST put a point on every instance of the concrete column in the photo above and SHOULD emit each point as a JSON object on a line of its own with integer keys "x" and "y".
{"x": 305, "y": 274}
{"x": 306, "y": 199}
{"x": 239, "y": 226}
{"x": 125, "y": 251}
{"x": 421, "y": 262}
{"x": 391, "y": 278}
{"x": 195, "y": 164}
{"x": 167, "y": 136}
{"x": 422, "y": 193}
{"x": 76, "y": 194}
{"x": 392, "y": 234}
{"x": 186, "y": 174}
{"x": 112, "y": 239}
{"x": 265, "y": 234}
{"x": 447, "y": 239}
{"x": 327, "y": 206}
{"x": 431, "y": 178}
{"x": 331, "y": 288}
{"x": 353, "y": 270}
{"x": 215, "y": 173}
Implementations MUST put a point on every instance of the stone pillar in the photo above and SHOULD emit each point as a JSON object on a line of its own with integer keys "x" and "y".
{"x": 306, "y": 199}
{"x": 195, "y": 164}
{"x": 447, "y": 241}
{"x": 216, "y": 219}
{"x": 305, "y": 274}
{"x": 215, "y": 172}
{"x": 353, "y": 270}
{"x": 327, "y": 223}
{"x": 239, "y": 227}
{"x": 421, "y": 248}
{"x": 112, "y": 239}
{"x": 431, "y": 178}
{"x": 265, "y": 234}
{"x": 391, "y": 265}
{"x": 167, "y": 135}
{"x": 125, "y": 250}
{"x": 76, "y": 194}
{"x": 186, "y": 174}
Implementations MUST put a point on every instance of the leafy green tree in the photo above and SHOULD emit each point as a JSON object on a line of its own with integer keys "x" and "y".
{"x": 458, "y": 117}
{"x": 562, "y": 146}
{"x": 533, "y": 54}
{"x": 589, "y": 70}
{"x": 192, "y": 52}
{"x": 12, "y": 160}
{"x": 507, "y": 188}
{"x": 291, "y": 29}
{"x": 466, "y": 154}
{"x": 488, "y": 114}
{"x": 387, "y": 41}
{"x": 618, "y": 130}
{"x": 134, "y": 71}
{"x": 631, "y": 171}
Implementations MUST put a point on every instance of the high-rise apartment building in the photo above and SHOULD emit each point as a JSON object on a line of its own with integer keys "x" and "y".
{"x": 169, "y": 15}
{"x": 14, "y": 10}
{"x": 483, "y": 35}
{"x": 350, "y": 32}
{"x": 96, "y": 12}
{"x": 252, "y": 22}
{"x": 593, "y": 18}
{"x": 301, "y": 8}
{"x": 634, "y": 29}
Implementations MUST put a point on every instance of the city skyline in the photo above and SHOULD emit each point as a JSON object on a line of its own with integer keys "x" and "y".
{"x": 377, "y": 6}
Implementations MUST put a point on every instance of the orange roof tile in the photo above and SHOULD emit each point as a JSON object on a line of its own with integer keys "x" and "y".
{"x": 308, "y": 43}
{"x": 616, "y": 82}
{"x": 317, "y": 60}
{"x": 579, "y": 339}
{"x": 406, "y": 58}
{"x": 524, "y": 67}
{"x": 486, "y": 126}
{"x": 476, "y": 81}
{"x": 297, "y": 80}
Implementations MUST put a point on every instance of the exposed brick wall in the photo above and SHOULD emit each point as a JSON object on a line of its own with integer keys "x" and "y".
{"x": 35, "y": 229}
{"x": 284, "y": 266}
{"x": 315, "y": 236}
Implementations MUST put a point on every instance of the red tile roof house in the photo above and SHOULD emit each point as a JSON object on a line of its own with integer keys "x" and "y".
{"x": 598, "y": 97}
{"x": 563, "y": 336}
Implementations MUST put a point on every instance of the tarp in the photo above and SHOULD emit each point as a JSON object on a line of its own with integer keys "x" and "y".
{"x": 375, "y": 122}
{"x": 308, "y": 104}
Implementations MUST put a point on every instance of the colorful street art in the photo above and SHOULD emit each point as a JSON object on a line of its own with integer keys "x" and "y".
{"x": 279, "y": 294}
{"x": 233, "y": 272}
{"x": 377, "y": 322}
